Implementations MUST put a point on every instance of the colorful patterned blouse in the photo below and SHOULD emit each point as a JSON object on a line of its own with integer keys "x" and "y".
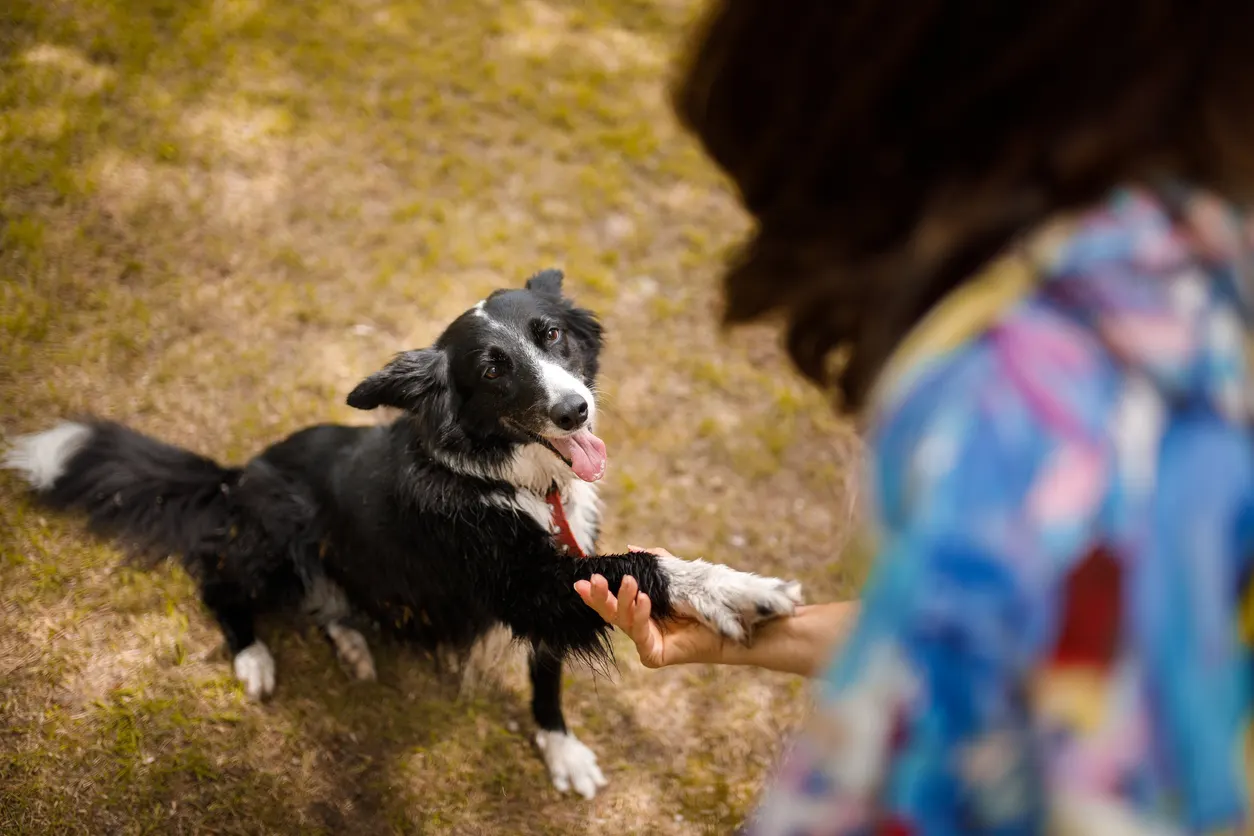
{"x": 1055, "y": 637}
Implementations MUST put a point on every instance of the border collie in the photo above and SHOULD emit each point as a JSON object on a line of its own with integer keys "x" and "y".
{"x": 476, "y": 508}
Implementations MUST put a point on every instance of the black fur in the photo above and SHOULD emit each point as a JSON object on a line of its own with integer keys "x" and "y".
{"x": 242, "y": 533}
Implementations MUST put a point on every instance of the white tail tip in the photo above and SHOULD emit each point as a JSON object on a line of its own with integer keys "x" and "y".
{"x": 41, "y": 457}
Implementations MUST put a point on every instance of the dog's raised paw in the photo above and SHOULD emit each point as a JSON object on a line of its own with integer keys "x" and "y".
{"x": 777, "y": 598}
{"x": 571, "y": 764}
{"x": 727, "y": 601}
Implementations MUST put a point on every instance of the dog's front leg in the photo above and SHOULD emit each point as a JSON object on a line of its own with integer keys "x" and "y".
{"x": 572, "y": 765}
{"x": 545, "y": 609}
{"x": 728, "y": 601}
{"x": 548, "y": 612}
{"x": 542, "y": 607}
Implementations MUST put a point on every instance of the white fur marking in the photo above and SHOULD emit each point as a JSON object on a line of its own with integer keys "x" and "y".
{"x": 580, "y": 501}
{"x": 254, "y": 666}
{"x": 42, "y": 457}
{"x": 725, "y": 600}
{"x": 571, "y": 764}
{"x": 529, "y": 504}
{"x": 353, "y": 651}
{"x": 531, "y": 466}
{"x": 536, "y": 468}
{"x": 557, "y": 381}
{"x": 325, "y": 602}
{"x": 583, "y": 513}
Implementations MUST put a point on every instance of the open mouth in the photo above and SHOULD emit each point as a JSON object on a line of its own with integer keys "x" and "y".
{"x": 582, "y": 451}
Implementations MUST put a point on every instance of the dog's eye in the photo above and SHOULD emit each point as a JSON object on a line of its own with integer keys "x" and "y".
{"x": 492, "y": 372}
{"x": 553, "y": 335}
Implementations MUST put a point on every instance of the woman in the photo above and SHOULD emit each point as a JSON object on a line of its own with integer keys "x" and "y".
{"x": 1007, "y": 232}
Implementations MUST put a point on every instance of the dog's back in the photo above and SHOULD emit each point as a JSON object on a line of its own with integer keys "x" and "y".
{"x": 248, "y": 525}
{"x": 409, "y": 540}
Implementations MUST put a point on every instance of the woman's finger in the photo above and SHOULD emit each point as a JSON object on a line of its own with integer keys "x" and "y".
{"x": 598, "y": 593}
{"x": 603, "y": 601}
{"x": 641, "y": 609}
{"x": 584, "y": 588}
{"x": 627, "y": 594}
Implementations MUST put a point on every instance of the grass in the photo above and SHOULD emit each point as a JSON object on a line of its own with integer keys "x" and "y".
{"x": 215, "y": 218}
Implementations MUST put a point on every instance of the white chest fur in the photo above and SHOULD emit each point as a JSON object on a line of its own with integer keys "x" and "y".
{"x": 583, "y": 513}
{"x": 533, "y": 471}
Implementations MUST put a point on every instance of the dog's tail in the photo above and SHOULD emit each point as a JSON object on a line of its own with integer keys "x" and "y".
{"x": 157, "y": 500}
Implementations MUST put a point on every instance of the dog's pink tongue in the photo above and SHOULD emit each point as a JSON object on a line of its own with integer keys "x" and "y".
{"x": 586, "y": 453}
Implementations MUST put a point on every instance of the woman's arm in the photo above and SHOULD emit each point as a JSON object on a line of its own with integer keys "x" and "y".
{"x": 800, "y": 643}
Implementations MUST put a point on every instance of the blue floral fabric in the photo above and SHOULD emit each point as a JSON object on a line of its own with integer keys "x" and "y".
{"x": 1055, "y": 635}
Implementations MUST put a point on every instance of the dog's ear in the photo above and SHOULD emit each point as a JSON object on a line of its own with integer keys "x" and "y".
{"x": 584, "y": 326}
{"x": 411, "y": 379}
{"x": 547, "y": 283}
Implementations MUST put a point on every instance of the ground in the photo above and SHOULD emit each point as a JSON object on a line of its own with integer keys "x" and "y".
{"x": 216, "y": 217}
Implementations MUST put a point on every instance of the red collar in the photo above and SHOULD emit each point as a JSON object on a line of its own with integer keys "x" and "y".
{"x": 558, "y": 525}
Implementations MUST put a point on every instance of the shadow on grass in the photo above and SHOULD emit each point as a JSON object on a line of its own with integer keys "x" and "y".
{"x": 179, "y": 753}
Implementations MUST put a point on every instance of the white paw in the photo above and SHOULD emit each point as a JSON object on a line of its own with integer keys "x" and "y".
{"x": 729, "y": 602}
{"x": 571, "y": 764}
{"x": 254, "y": 666}
{"x": 352, "y": 650}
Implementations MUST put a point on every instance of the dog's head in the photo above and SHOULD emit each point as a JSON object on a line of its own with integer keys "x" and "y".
{"x": 517, "y": 368}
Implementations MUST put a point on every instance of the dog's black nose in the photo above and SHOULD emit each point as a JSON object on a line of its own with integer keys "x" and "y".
{"x": 570, "y": 412}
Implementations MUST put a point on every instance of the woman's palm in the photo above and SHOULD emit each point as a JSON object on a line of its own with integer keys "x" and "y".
{"x": 676, "y": 641}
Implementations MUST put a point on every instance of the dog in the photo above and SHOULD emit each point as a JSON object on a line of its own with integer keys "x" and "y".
{"x": 476, "y": 508}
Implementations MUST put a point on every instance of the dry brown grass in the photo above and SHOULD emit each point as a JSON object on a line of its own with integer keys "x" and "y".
{"x": 217, "y": 215}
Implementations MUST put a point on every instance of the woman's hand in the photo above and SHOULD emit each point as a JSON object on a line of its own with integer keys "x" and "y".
{"x": 798, "y": 644}
{"x": 674, "y": 642}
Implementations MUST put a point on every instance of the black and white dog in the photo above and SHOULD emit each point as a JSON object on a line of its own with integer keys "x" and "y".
{"x": 476, "y": 508}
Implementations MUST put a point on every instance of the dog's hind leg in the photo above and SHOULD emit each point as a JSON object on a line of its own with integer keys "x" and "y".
{"x": 352, "y": 650}
{"x": 572, "y": 765}
{"x": 251, "y": 659}
{"x": 326, "y": 604}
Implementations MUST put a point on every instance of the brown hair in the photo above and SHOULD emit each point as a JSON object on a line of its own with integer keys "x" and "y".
{"x": 888, "y": 150}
